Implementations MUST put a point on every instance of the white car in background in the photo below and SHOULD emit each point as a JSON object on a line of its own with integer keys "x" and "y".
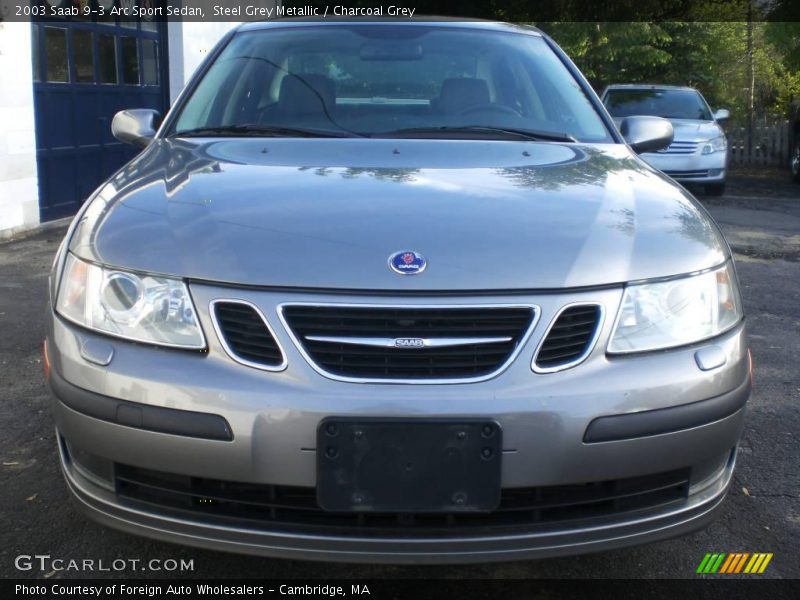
{"x": 699, "y": 151}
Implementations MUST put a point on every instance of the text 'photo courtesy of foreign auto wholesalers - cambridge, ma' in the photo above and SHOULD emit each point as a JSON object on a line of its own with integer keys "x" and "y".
{"x": 422, "y": 300}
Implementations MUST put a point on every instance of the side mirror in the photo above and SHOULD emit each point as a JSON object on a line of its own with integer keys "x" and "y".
{"x": 646, "y": 134}
{"x": 722, "y": 114}
{"x": 136, "y": 126}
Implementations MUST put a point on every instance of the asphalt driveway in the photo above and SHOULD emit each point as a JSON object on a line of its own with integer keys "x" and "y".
{"x": 761, "y": 218}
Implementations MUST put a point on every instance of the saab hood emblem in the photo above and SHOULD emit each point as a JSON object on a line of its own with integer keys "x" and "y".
{"x": 407, "y": 262}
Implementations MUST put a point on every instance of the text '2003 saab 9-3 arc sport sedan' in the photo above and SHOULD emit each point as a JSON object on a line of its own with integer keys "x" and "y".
{"x": 395, "y": 292}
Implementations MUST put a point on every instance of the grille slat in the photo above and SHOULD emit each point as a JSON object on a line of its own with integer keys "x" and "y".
{"x": 429, "y": 363}
{"x": 433, "y": 353}
{"x": 369, "y": 329}
{"x": 569, "y": 337}
{"x": 581, "y": 343}
{"x": 245, "y": 334}
{"x": 412, "y": 362}
{"x": 388, "y": 315}
{"x": 295, "y": 508}
{"x": 242, "y": 329}
{"x": 580, "y": 322}
{"x": 547, "y": 359}
{"x": 566, "y": 330}
{"x": 256, "y": 347}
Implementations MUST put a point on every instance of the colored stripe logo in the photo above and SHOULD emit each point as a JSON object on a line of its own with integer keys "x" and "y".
{"x": 734, "y": 563}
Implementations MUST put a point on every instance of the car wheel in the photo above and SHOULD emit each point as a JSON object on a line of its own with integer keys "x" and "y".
{"x": 715, "y": 189}
{"x": 795, "y": 162}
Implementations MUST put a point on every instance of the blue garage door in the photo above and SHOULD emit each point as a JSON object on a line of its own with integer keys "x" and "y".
{"x": 84, "y": 72}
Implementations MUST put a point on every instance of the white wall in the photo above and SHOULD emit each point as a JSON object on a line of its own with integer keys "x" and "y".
{"x": 189, "y": 44}
{"x": 175, "y": 58}
{"x": 19, "y": 193}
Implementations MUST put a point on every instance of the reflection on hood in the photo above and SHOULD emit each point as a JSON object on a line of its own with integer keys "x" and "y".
{"x": 328, "y": 213}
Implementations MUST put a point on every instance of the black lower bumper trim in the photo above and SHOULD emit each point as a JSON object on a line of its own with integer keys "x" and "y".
{"x": 667, "y": 420}
{"x": 140, "y": 416}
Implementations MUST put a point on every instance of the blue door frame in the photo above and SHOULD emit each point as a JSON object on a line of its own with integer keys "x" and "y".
{"x": 75, "y": 98}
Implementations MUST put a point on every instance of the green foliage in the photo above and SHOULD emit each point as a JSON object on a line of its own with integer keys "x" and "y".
{"x": 613, "y": 52}
{"x": 710, "y": 55}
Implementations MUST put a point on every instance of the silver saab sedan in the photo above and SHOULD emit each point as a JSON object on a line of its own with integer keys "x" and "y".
{"x": 395, "y": 292}
{"x": 699, "y": 152}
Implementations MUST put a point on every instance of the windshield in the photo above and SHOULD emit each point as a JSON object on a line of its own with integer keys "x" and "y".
{"x": 670, "y": 104}
{"x": 383, "y": 80}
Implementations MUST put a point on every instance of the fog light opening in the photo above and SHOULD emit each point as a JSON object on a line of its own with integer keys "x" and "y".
{"x": 96, "y": 469}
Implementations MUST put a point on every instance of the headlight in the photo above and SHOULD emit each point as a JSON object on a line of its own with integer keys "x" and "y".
{"x": 676, "y": 312}
{"x": 143, "y": 308}
{"x": 718, "y": 144}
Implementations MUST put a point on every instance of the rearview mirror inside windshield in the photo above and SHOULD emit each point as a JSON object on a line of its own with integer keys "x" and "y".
{"x": 391, "y": 50}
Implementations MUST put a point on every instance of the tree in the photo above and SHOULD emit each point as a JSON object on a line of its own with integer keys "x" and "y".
{"x": 710, "y": 56}
{"x": 612, "y": 52}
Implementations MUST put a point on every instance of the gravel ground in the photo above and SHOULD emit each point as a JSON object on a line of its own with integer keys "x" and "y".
{"x": 761, "y": 218}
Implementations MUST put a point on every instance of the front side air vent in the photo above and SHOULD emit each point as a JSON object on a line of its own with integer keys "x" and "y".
{"x": 246, "y": 335}
{"x": 570, "y": 338}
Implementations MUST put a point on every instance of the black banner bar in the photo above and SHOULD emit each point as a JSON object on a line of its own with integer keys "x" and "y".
{"x": 519, "y": 11}
{"x": 399, "y": 589}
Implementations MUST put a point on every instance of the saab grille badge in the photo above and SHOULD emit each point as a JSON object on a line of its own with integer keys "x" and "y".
{"x": 409, "y": 343}
{"x": 407, "y": 262}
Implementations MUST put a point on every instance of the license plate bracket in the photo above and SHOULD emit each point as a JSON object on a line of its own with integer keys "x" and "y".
{"x": 408, "y": 465}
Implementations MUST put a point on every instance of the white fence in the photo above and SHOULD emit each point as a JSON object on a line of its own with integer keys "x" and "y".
{"x": 769, "y": 143}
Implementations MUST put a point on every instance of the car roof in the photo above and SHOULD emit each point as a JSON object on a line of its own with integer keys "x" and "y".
{"x": 421, "y": 21}
{"x": 648, "y": 86}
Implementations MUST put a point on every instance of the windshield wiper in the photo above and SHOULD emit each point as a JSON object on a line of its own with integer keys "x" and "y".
{"x": 526, "y": 134}
{"x": 259, "y": 131}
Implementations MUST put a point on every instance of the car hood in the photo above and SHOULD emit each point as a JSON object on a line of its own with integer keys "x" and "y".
{"x": 328, "y": 213}
{"x": 687, "y": 130}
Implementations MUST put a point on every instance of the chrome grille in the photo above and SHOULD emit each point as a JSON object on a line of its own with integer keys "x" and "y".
{"x": 408, "y": 344}
{"x": 678, "y": 147}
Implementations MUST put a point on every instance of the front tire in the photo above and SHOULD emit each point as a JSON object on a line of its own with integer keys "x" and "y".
{"x": 715, "y": 189}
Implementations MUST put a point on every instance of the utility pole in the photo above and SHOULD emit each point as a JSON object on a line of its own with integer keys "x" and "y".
{"x": 750, "y": 77}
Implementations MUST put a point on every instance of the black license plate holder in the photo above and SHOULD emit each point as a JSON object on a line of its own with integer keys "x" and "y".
{"x": 408, "y": 465}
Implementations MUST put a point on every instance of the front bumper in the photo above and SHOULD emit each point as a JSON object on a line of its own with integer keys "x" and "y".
{"x": 273, "y": 418}
{"x": 692, "y": 168}
{"x": 644, "y": 527}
